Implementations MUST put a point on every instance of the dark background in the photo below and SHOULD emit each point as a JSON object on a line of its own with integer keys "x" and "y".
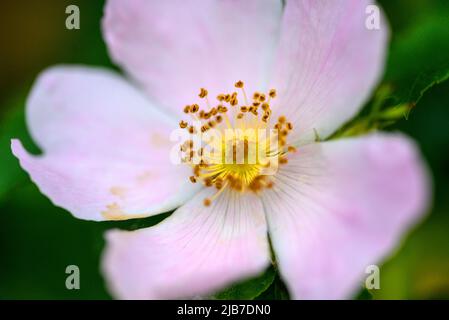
{"x": 38, "y": 240}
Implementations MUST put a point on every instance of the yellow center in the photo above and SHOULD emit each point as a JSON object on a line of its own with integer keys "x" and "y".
{"x": 230, "y": 145}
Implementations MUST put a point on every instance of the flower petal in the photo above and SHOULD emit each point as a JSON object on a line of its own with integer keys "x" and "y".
{"x": 338, "y": 207}
{"x": 327, "y": 64}
{"x": 196, "y": 251}
{"x": 176, "y": 47}
{"x": 106, "y": 150}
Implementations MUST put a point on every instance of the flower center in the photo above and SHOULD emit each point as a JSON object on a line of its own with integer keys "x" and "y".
{"x": 230, "y": 145}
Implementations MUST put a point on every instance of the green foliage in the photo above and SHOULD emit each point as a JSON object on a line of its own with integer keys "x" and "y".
{"x": 248, "y": 289}
{"x": 276, "y": 291}
{"x": 12, "y": 126}
{"x": 38, "y": 241}
{"x": 364, "y": 294}
{"x": 418, "y": 60}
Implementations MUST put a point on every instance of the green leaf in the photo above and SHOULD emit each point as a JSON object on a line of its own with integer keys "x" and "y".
{"x": 364, "y": 294}
{"x": 249, "y": 289}
{"x": 276, "y": 291}
{"x": 419, "y": 59}
{"x": 135, "y": 224}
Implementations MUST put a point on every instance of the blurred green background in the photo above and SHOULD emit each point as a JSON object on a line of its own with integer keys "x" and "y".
{"x": 38, "y": 240}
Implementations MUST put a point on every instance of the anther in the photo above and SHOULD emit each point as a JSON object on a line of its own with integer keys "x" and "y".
{"x": 194, "y": 108}
{"x": 203, "y": 93}
{"x": 207, "y": 115}
{"x": 219, "y": 184}
{"x": 192, "y": 179}
{"x": 239, "y": 84}
{"x": 222, "y": 109}
{"x": 183, "y": 124}
{"x": 192, "y": 130}
{"x": 208, "y": 182}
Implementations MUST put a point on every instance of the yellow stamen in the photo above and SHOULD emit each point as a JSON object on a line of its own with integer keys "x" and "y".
{"x": 244, "y": 168}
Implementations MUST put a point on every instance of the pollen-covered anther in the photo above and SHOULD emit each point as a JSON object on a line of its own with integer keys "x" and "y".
{"x": 233, "y": 101}
{"x": 192, "y": 130}
{"x": 183, "y": 124}
{"x": 194, "y": 108}
{"x": 204, "y": 128}
{"x": 203, "y": 93}
{"x": 239, "y": 84}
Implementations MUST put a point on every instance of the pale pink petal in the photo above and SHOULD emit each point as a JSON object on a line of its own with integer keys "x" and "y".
{"x": 327, "y": 64}
{"x": 194, "y": 252}
{"x": 338, "y": 207}
{"x": 106, "y": 149}
{"x": 173, "y": 48}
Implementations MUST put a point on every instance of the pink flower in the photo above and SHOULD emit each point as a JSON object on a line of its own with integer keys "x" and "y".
{"x": 333, "y": 209}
